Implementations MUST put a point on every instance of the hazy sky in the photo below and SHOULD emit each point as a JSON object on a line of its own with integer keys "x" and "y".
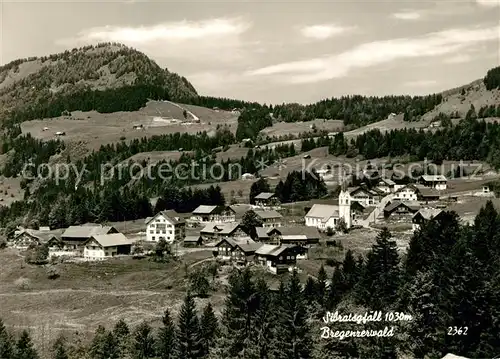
{"x": 276, "y": 51}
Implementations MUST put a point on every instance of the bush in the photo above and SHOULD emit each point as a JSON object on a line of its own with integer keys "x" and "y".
{"x": 38, "y": 255}
{"x": 53, "y": 272}
{"x": 330, "y": 232}
{"x": 330, "y": 262}
{"x": 3, "y": 243}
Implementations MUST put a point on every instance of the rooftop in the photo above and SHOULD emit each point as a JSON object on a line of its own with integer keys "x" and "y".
{"x": 268, "y": 214}
{"x": 86, "y": 231}
{"x": 204, "y": 209}
{"x": 434, "y": 178}
{"x": 111, "y": 240}
{"x": 264, "y": 195}
{"x": 323, "y": 211}
{"x": 429, "y": 213}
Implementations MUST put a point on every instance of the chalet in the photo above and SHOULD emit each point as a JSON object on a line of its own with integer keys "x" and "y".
{"x": 424, "y": 215}
{"x": 364, "y": 196}
{"x": 407, "y": 193}
{"x": 74, "y": 237}
{"x": 386, "y": 185}
{"x": 263, "y": 233}
{"x": 214, "y": 231}
{"x": 216, "y": 214}
{"x": 438, "y": 182}
{"x": 269, "y": 218}
{"x": 400, "y": 210}
{"x": 104, "y": 246}
{"x": 298, "y": 235}
{"x": 266, "y": 199}
{"x": 426, "y": 194}
{"x": 29, "y": 238}
{"x": 193, "y": 241}
{"x": 239, "y": 250}
{"x": 167, "y": 225}
{"x": 276, "y": 258}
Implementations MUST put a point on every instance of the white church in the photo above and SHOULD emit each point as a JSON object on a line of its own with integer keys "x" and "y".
{"x": 323, "y": 216}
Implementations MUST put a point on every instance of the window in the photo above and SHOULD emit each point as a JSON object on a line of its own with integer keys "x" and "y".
{"x": 153, "y": 238}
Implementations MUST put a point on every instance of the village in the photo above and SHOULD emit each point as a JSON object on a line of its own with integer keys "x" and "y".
{"x": 261, "y": 234}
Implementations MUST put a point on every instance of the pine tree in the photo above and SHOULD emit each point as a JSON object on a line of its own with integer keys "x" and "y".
{"x": 24, "y": 347}
{"x": 121, "y": 334}
{"x": 188, "y": 331}
{"x": 59, "y": 348}
{"x": 381, "y": 278}
{"x": 321, "y": 285}
{"x": 209, "y": 328}
{"x": 293, "y": 331}
{"x": 310, "y": 290}
{"x": 6, "y": 344}
{"x": 350, "y": 270}
{"x": 166, "y": 337}
{"x": 144, "y": 342}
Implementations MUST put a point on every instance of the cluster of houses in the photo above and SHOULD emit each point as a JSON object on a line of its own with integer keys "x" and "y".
{"x": 275, "y": 245}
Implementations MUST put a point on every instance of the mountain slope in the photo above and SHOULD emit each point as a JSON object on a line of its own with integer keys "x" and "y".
{"x": 27, "y": 84}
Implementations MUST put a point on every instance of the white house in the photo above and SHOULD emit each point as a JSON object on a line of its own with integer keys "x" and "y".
{"x": 323, "y": 216}
{"x": 167, "y": 225}
{"x": 106, "y": 246}
{"x": 406, "y": 194}
{"x": 365, "y": 197}
{"x": 438, "y": 182}
{"x": 215, "y": 214}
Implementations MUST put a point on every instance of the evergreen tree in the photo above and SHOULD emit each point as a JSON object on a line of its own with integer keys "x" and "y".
{"x": 381, "y": 278}
{"x": 208, "y": 329}
{"x": 121, "y": 334}
{"x": 144, "y": 342}
{"x": 321, "y": 286}
{"x": 59, "y": 348}
{"x": 166, "y": 337}
{"x": 188, "y": 332}
{"x": 24, "y": 347}
{"x": 6, "y": 344}
{"x": 294, "y": 333}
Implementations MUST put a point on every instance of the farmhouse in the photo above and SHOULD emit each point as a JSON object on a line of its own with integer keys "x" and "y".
{"x": 236, "y": 250}
{"x": 299, "y": 235}
{"x": 407, "y": 193}
{"x": 74, "y": 237}
{"x": 424, "y": 215}
{"x": 104, "y": 246}
{"x": 276, "y": 258}
{"x": 216, "y": 214}
{"x": 386, "y": 185}
{"x": 364, "y": 196}
{"x": 167, "y": 225}
{"x": 426, "y": 194}
{"x": 269, "y": 218}
{"x": 398, "y": 210}
{"x": 438, "y": 182}
{"x": 29, "y": 238}
{"x": 217, "y": 231}
{"x": 266, "y": 199}
{"x": 193, "y": 241}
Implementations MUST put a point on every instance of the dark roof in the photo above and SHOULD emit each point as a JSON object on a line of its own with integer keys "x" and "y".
{"x": 412, "y": 206}
{"x": 192, "y": 238}
{"x": 427, "y": 192}
{"x": 428, "y": 213}
{"x": 268, "y": 214}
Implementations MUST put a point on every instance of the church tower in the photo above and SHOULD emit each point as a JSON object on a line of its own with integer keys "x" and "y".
{"x": 345, "y": 202}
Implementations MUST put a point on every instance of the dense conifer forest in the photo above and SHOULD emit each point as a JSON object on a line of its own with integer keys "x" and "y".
{"x": 444, "y": 296}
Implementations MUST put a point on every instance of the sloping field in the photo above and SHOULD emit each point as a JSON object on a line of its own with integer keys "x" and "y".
{"x": 157, "y": 117}
{"x": 296, "y": 128}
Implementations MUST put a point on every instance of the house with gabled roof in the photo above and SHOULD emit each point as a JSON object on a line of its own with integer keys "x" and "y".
{"x": 364, "y": 196}
{"x": 386, "y": 185}
{"x": 215, "y": 231}
{"x": 102, "y": 246}
{"x": 74, "y": 237}
{"x": 277, "y": 258}
{"x": 267, "y": 199}
{"x": 216, "y": 214}
{"x": 236, "y": 250}
{"x": 407, "y": 193}
{"x": 424, "y": 215}
{"x": 30, "y": 238}
{"x": 168, "y": 225}
{"x": 298, "y": 235}
{"x": 398, "y": 210}
{"x": 269, "y": 218}
{"x": 438, "y": 182}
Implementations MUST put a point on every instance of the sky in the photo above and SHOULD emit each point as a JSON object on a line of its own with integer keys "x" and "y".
{"x": 276, "y": 51}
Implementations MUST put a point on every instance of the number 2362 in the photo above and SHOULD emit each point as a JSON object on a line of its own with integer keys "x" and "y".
{"x": 457, "y": 330}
